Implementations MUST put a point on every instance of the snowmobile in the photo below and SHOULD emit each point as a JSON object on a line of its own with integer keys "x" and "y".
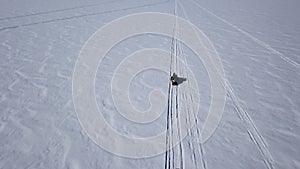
{"x": 174, "y": 79}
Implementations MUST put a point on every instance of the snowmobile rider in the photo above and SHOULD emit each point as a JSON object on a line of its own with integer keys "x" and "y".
{"x": 174, "y": 79}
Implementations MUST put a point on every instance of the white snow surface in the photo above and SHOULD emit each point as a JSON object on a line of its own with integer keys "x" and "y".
{"x": 258, "y": 44}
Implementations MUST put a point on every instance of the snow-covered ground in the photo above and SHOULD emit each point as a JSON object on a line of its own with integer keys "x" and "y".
{"x": 257, "y": 42}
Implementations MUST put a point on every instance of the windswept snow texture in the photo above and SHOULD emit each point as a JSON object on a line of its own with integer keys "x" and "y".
{"x": 258, "y": 44}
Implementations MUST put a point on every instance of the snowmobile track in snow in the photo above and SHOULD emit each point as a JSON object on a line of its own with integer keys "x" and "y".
{"x": 174, "y": 153}
{"x": 80, "y": 16}
{"x": 179, "y": 129}
{"x": 57, "y": 10}
{"x": 167, "y": 153}
{"x": 189, "y": 100}
{"x": 174, "y": 150}
{"x": 259, "y": 42}
{"x": 253, "y": 131}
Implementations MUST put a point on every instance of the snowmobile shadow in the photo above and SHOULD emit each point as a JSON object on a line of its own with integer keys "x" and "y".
{"x": 180, "y": 80}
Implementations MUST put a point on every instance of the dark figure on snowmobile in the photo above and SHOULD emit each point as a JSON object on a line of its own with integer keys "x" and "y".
{"x": 174, "y": 79}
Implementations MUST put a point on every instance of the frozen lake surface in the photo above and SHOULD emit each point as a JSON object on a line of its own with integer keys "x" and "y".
{"x": 258, "y": 45}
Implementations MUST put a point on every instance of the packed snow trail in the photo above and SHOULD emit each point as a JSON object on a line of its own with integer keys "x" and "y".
{"x": 186, "y": 96}
{"x": 189, "y": 100}
{"x": 167, "y": 153}
{"x": 174, "y": 153}
{"x": 179, "y": 130}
